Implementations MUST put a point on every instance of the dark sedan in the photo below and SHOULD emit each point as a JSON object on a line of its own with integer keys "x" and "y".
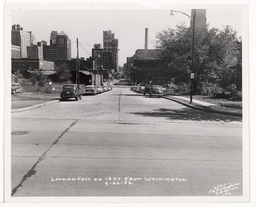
{"x": 70, "y": 91}
{"x": 154, "y": 90}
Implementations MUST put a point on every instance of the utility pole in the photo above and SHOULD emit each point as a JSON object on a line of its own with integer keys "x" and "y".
{"x": 192, "y": 73}
{"x": 192, "y": 66}
{"x": 77, "y": 65}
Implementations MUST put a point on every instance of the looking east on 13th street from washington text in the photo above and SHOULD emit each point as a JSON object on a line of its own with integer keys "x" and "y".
{"x": 125, "y": 102}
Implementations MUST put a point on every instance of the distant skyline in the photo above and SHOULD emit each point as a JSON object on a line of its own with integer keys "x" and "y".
{"x": 128, "y": 25}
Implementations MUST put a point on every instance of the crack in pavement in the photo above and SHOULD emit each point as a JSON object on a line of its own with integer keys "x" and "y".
{"x": 32, "y": 171}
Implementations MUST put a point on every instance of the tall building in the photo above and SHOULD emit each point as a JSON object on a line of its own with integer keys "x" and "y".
{"x": 32, "y": 38}
{"x": 15, "y": 52}
{"x": 110, "y": 48}
{"x": 63, "y": 47}
{"x": 107, "y": 60}
{"x": 53, "y": 37}
{"x": 97, "y": 55}
{"x": 35, "y": 51}
{"x": 114, "y": 45}
{"x": 50, "y": 52}
{"x": 108, "y": 37}
{"x": 59, "y": 48}
{"x": 200, "y": 18}
{"x": 21, "y": 38}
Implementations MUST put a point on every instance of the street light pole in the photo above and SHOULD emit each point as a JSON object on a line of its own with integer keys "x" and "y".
{"x": 192, "y": 66}
{"x": 192, "y": 74}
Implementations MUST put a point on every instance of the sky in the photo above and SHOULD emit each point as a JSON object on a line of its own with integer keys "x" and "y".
{"x": 128, "y": 25}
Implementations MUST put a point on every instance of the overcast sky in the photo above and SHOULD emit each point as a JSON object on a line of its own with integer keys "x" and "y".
{"x": 128, "y": 25}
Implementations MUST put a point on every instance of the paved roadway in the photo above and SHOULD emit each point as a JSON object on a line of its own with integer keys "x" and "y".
{"x": 120, "y": 143}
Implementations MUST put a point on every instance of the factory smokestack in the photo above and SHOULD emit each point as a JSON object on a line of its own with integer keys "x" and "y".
{"x": 146, "y": 38}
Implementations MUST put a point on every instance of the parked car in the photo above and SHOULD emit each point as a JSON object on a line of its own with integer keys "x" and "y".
{"x": 147, "y": 89}
{"x": 105, "y": 88}
{"x": 100, "y": 89}
{"x": 141, "y": 88}
{"x": 109, "y": 88}
{"x": 133, "y": 87}
{"x": 16, "y": 88}
{"x": 156, "y": 90}
{"x": 70, "y": 91}
{"x": 90, "y": 89}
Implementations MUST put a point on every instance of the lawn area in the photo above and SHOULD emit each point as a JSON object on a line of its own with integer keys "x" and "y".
{"x": 26, "y": 99}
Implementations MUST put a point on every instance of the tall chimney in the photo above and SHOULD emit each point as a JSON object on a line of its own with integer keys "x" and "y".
{"x": 146, "y": 38}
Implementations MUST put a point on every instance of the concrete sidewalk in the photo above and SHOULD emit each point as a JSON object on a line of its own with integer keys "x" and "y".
{"x": 33, "y": 107}
{"x": 202, "y": 103}
{"x": 204, "y": 106}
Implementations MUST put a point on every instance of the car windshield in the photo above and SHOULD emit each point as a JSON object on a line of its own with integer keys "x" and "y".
{"x": 68, "y": 87}
{"x": 89, "y": 86}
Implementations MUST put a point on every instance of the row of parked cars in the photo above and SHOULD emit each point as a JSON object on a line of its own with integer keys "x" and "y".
{"x": 94, "y": 90}
{"x": 71, "y": 91}
{"x": 151, "y": 90}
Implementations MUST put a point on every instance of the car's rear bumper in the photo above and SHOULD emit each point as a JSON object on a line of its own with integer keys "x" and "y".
{"x": 89, "y": 92}
{"x": 66, "y": 96}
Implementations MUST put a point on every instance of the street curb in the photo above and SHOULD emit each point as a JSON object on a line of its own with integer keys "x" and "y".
{"x": 34, "y": 106}
{"x": 204, "y": 109}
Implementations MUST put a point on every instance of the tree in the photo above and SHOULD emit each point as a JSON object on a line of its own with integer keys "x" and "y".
{"x": 38, "y": 79}
{"x": 216, "y": 53}
{"x": 63, "y": 72}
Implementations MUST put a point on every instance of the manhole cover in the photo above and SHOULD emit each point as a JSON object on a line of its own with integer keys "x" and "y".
{"x": 19, "y": 132}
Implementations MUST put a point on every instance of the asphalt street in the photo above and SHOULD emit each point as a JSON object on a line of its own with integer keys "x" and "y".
{"x": 121, "y": 143}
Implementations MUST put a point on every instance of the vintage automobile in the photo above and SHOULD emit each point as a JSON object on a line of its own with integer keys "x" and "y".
{"x": 90, "y": 89}
{"x": 141, "y": 88}
{"x": 147, "y": 89}
{"x": 16, "y": 88}
{"x": 100, "y": 89}
{"x": 105, "y": 88}
{"x": 153, "y": 90}
{"x": 70, "y": 91}
{"x": 109, "y": 87}
{"x": 156, "y": 90}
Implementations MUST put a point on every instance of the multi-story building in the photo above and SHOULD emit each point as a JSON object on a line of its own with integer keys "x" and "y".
{"x": 97, "y": 55}
{"x": 200, "y": 18}
{"x": 53, "y": 37}
{"x": 110, "y": 46}
{"x": 50, "y": 52}
{"x": 108, "y": 37}
{"x": 63, "y": 47}
{"x": 59, "y": 48}
{"x": 107, "y": 60}
{"x": 32, "y": 38}
{"x": 114, "y": 45}
{"x": 147, "y": 67}
{"x": 35, "y": 51}
{"x": 22, "y": 39}
{"x": 15, "y": 52}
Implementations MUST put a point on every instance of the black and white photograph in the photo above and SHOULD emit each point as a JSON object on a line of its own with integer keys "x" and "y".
{"x": 125, "y": 101}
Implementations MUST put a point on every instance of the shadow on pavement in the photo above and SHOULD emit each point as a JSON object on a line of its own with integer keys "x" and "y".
{"x": 188, "y": 114}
